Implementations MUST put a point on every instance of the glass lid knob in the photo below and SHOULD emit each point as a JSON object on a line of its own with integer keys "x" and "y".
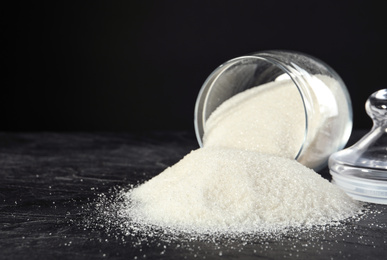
{"x": 376, "y": 107}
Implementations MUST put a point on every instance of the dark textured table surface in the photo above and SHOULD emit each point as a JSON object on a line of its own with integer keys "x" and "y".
{"x": 50, "y": 181}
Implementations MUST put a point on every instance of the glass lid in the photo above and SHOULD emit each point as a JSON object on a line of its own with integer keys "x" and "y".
{"x": 361, "y": 170}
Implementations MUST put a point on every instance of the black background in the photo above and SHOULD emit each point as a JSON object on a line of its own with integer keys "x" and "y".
{"x": 135, "y": 66}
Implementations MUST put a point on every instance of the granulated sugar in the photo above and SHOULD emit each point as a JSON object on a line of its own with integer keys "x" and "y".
{"x": 225, "y": 190}
{"x": 244, "y": 182}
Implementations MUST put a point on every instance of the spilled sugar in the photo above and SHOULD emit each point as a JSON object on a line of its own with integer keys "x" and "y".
{"x": 238, "y": 185}
{"x": 222, "y": 190}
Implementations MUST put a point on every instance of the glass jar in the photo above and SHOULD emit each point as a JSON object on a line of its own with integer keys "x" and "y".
{"x": 323, "y": 96}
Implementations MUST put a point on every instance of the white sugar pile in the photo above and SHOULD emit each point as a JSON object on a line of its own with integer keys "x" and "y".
{"x": 241, "y": 181}
{"x": 230, "y": 190}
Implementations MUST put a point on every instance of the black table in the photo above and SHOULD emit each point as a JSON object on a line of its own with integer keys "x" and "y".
{"x": 50, "y": 182}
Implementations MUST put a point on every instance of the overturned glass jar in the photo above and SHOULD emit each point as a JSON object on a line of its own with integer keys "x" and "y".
{"x": 303, "y": 109}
